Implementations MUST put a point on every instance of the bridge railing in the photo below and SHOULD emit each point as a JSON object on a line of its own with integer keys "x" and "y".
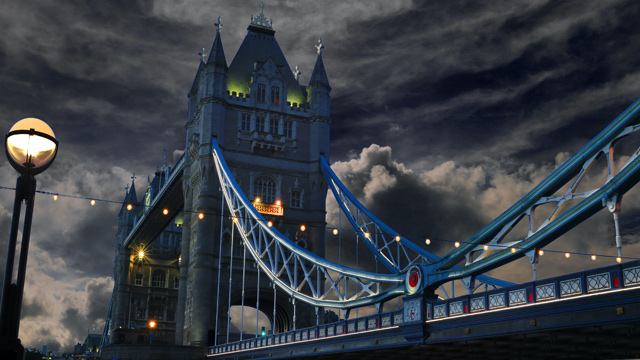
{"x": 610, "y": 278}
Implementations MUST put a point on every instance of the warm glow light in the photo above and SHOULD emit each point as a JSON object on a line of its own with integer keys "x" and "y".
{"x": 397, "y": 237}
{"x": 513, "y": 250}
{"x": 165, "y": 211}
{"x": 335, "y": 231}
{"x": 257, "y": 199}
{"x": 200, "y": 216}
{"x": 303, "y": 228}
{"x": 366, "y": 235}
{"x": 269, "y": 223}
{"x": 140, "y": 254}
{"x": 457, "y": 244}
{"x": 129, "y": 207}
{"x": 428, "y": 241}
{"x": 235, "y": 219}
{"x": 55, "y": 197}
{"x": 540, "y": 252}
{"x": 567, "y": 255}
{"x": 93, "y": 202}
{"x": 486, "y": 247}
{"x": 278, "y": 202}
{"x": 152, "y": 323}
{"x": 593, "y": 257}
{"x": 31, "y": 141}
{"x": 619, "y": 259}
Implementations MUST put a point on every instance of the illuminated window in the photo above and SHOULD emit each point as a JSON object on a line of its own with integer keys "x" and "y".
{"x": 260, "y": 123}
{"x": 296, "y": 198}
{"x": 264, "y": 187}
{"x": 275, "y": 95}
{"x": 245, "y": 124}
{"x": 139, "y": 279}
{"x": 158, "y": 279}
{"x": 262, "y": 92}
{"x": 288, "y": 129}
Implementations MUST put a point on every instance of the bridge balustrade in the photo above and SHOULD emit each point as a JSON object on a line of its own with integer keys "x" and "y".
{"x": 586, "y": 283}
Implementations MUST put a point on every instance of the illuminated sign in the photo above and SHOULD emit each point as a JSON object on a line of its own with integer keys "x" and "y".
{"x": 268, "y": 209}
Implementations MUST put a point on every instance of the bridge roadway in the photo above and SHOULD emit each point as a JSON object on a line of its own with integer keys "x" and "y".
{"x": 589, "y": 315}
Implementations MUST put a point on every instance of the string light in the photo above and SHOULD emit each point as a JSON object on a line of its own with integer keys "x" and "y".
{"x": 485, "y": 247}
{"x": 513, "y": 250}
{"x": 303, "y": 228}
{"x": 201, "y": 216}
{"x": 269, "y": 223}
{"x": 278, "y": 202}
{"x": 366, "y": 235}
{"x": 397, "y": 237}
{"x": 257, "y": 199}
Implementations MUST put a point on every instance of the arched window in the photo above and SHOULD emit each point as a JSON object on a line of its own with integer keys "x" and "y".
{"x": 264, "y": 187}
{"x": 158, "y": 279}
{"x": 262, "y": 92}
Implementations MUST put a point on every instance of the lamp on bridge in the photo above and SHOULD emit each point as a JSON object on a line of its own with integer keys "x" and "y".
{"x": 152, "y": 325}
{"x": 31, "y": 147}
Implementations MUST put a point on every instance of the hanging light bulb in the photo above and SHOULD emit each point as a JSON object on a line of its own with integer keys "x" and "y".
{"x": 593, "y": 257}
{"x": 485, "y": 247}
{"x": 619, "y": 259}
{"x": 93, "y": 202}
{"x": 269, "y": 223}
{"x": 540, "y": 252}
{"x": 567, "y": 255}
{"x": 55, "y": 197}
{"x": 335, "y": 231}
{"x": 201, "y": 216}
{"x": 303, "y": 228}
{"x": 428, "y": 241}
{"x": 397, "y": 237}
{"x": 129, "y": 206}
{"x": 457, "y": 244}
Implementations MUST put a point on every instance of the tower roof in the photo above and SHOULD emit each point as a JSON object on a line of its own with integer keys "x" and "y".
{"x": 260, "y": 44}
{"x": 319, "y": 75}
{"x": 216, "y": 56}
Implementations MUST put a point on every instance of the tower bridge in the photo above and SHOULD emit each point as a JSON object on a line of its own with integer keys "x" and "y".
{"x": 237, "y": 226}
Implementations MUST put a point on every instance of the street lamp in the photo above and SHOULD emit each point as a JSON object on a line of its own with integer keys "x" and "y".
{"x": 31, "y": 147}
{"x": 152, "y": 325}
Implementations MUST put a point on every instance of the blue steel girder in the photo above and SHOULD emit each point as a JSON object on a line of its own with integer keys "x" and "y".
{"x": 487, "y": 241}
{"x": 283, "y": 261}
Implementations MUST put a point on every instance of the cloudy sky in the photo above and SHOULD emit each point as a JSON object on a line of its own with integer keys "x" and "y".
{"x": 444, "y": 114}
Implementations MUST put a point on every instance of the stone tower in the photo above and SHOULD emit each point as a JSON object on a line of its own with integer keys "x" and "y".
{"x": 272, "y": 131}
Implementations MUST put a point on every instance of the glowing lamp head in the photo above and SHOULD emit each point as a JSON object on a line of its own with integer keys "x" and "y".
{"x": 165, "y": 211}
{"x": 366, "y": 235}
{"x": 257, "y": 199}
{"x": 129, "y": 206}
{"x": 152, "y": 324}
{"x": 457, "y": 244}
{"x": 593, "y": 257}
{"x": 540, "y": 252}
{"x": 278, "y": 202}
{"x": 485, "y": 247}
{"x": 269, "y": 223}
{"x": 201, "y": 216}
{"x": 428, "y": 241}
{"x": 619, "y": 259}
{"x": 567, "y": 255}
{"x": 513, "y": 250}
{"x": 335, "y": 231}
{"x": 31, "y": 146}
{"x": 93, "y": 202}
{"x": 397, "y": 237}
{"x": 303, "y": 228}
{"x": 140, "y": 254}
{"x": 55, "y": 197}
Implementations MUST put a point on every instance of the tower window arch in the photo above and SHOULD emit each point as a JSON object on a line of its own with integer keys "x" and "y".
{"x": 264, "y": 187}
{"x": 158, "y": 279}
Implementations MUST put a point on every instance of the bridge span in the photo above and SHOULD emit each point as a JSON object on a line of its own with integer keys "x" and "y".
{"x": 592, "y": 314}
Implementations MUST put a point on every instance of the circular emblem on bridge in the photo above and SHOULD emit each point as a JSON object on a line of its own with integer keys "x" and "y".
{"x": 413, "y": 279}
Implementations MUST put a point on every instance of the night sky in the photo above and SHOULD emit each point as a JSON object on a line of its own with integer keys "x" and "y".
{"x": 444, "y": 114}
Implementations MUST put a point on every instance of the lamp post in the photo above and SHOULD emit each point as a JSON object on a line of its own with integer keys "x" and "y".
{"x": 31, "y": 147}
{"x": 152, "y": 325}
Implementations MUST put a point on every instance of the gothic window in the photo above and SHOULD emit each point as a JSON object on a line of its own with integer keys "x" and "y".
{"x": 260, "y": 121}
{"x": 288, "y": 129}
{"x": 141, "y": 313}
{"x": 296, "y": 198}
{"x": 262, "y": 92}
{"x": 158, "y": 278}
{"x": 264, "y": 187}
{"x": 245, "y": 124}
{"x": 139, "y": 279}
{"x": 275, "y": 95}
{"x": 156, "y": 312}
{"x": 273, "y": 127}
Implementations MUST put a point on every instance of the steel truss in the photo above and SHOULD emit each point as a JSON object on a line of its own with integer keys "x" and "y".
{"x": 486, "y": 250}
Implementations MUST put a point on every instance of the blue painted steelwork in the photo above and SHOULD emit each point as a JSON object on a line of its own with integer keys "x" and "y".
{"x": 609, "y": 194}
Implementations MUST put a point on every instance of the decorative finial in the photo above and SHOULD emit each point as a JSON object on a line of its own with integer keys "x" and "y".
{"x": 261, "y": 20}
{"x": 297, "y": 73}
{"x": 133, "y": 177}
{"x": 319, "y": 46}
{"x": 202, "y": 54}
{"x": 218, "y": 25}
{"x": 126, "y": 189}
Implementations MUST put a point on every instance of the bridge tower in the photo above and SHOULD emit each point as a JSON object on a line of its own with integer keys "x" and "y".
{"x": 272, "y": 131}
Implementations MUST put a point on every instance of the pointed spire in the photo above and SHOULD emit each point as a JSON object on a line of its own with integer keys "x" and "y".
{"x": 131, "y": 194}
{"x": 319, "y": 74}
{"x": 216, "y": 56}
